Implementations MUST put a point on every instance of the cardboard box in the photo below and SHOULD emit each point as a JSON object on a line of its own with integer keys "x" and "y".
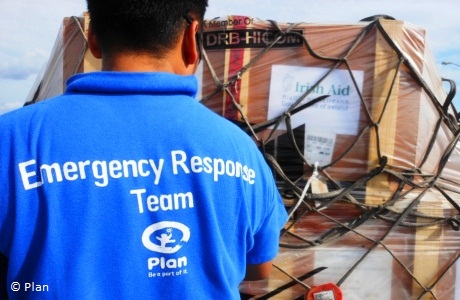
{"x": 257, "y": 70}
{"x": 390, "y": 107}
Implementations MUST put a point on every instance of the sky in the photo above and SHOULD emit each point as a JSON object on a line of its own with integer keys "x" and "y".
{"x": 29, "y": 30}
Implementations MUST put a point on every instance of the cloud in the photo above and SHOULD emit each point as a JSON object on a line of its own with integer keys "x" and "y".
{"x": 9, "y": 106}
{"x": 13, "y": 93}
{"x": 23, "y": 66}
{"x": 29, "y": 31}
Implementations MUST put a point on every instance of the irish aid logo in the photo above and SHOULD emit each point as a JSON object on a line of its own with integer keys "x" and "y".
{"x": 165, "y": 237}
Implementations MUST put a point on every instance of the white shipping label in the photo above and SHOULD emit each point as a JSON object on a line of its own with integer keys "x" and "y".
{"x": 337, "y": 114}
{"x": 319, "y": 148}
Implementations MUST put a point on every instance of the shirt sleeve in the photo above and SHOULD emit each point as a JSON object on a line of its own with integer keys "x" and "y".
{"x": 266, "y": 239}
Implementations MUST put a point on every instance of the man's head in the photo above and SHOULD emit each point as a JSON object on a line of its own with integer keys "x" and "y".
{"x": 151, "y": 27}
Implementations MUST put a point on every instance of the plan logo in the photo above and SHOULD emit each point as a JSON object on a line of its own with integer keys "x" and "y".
{"x": 165, "y": 237}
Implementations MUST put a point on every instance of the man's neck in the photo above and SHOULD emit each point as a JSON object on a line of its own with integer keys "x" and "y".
{"x": 135, "y": 62}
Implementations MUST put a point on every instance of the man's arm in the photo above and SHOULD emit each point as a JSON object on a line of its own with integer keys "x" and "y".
{"x": 3, "y": 269}
{"x": 258, "y": 271}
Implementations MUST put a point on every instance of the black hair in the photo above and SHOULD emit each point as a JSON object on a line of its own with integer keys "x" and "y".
{"x": 152, "y": 26}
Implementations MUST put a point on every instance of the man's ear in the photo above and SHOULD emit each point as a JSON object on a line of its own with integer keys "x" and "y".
{"x": 189, "y": 46}
{"x": 93, "y": 43}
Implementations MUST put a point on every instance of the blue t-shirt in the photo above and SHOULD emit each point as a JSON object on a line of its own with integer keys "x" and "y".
{"x": 127, "y": 187}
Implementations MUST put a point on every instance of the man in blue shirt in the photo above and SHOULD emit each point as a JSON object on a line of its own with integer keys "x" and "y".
{"x": 126, "y": 186}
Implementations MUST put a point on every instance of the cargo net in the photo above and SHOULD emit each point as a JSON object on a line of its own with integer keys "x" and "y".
{"x": 377, "y": 212}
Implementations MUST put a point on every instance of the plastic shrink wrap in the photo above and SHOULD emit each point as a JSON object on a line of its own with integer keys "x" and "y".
{"x": 362, "y": 137}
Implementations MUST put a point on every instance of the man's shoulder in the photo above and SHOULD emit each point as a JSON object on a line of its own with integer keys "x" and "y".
{"x": 232, "y": 130}
{"x": 28, "y": 110}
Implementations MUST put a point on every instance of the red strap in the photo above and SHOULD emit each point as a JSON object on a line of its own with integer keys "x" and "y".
{"x": 236, "y": 63}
